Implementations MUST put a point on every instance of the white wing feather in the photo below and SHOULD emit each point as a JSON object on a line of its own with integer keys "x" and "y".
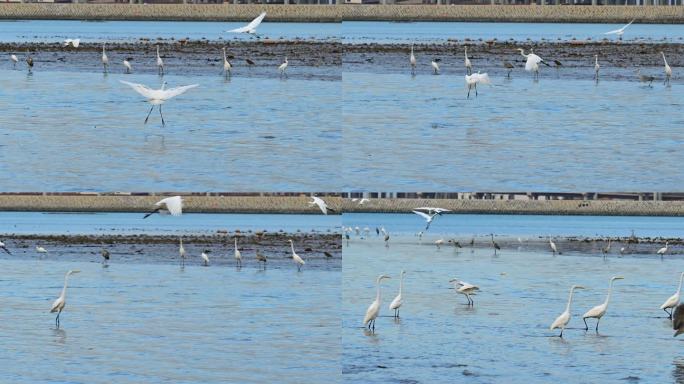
{"x": 251, "y": 26}
{"x": 173, "y": 204}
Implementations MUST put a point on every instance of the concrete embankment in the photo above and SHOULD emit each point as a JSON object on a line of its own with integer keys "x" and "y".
{"x": 347, "y": 12}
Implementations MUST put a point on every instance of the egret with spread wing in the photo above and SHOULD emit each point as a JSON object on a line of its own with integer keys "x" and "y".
{"x": 620, "y": 31}
{"x": 158, "y": 96}
{"x": 172, "y": 205}
{"x": 321, "y": 204}
{"x": 251, "y": 27}
{"x": 427, "y": 216}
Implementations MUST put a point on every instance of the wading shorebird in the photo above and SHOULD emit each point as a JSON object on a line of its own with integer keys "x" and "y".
{"x": 105, "y": 255}
{"x": 509, "y": 67}
{"x": 226, "y": 64}
{"x": 532, "y": 62}
{"x": 473, "y": 80}
{"x": 645, "y": 78}
{"x": 282, "y": 68}
{"x": 412, "y": 61}
{"x": 40, "y": 249}
{"x": 427, "y": 216}
{"x": 673, "y": 300}
{"x": 29, "y": 62}
{"x": 14, "y": 60}
{"x": 181, "y": 251}
{"x": 205, "y": 258}
{"x": 158, "y": 96}
{"x": 598, "y": 311}
{"x": 662, "y": 251}
{"x": 160, "y": 63}
{"x": 261, "y": 258}
{"x": 171, "y": 205}
{"x": 465, "y": 289}
{"x": 398, "y": 301}
{"x": 250, "y": 28}
{"x": 127, "y": 64}
{"x": 596, "y": 68}
{"x": 238, "y": 255}
{"x": 668, "y": 70}
{"x": 435, "y": 66}
{"x": 58, "y": 305}
{"x": 105, "y": 59}
{"x": 554, "y": 249}
{"x": 298, "y": 260}
{"x": 495, "y": 244}
{"x": 374, "y": 309}
{"x": 72, "y": 42}
{"x": 564, "y": 318}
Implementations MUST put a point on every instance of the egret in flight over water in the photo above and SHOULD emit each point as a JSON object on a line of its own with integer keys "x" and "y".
{"x": 620, "y": 31}
{"x": 251, "y": 27}
{"x": 374, "y": 309}
{"x": 564, "y": 318}
{"x": 427, "y": 216}
{"x": 598, "y": 311}
{"x": 158, "y": 96}
{"x": 172, "y": 205}
{"x": 322, "y": 205}
{"x": 59, "y": 304}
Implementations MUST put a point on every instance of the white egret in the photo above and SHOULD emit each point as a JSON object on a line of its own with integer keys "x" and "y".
{"x": 663, "y": 250}
{"x": 4, "y": 248}
{"x": 238, "y": 255}
{"x": 678, "y": 320}
{"x": 282, "y": 68}
{"x": 427, "y": 216}
{"x": 564, "y": 318}
{"x": 468, "y": 65}
{"x": 251, "y": 27}
{"x": 598, "y": 311}
{"x": 668, "y": 70}
{"x": 205, "y": 258}
{"x": 29, "y": 62}
{"x": 412, "y": 61}
{"x": 172, "y": 205}
{"x": 435, "y": 66}
{"x": 226, "y": 64}
{"x": 532, "y": 63}
{"x": 554, "y": 249}
{"x": 363, "y": 201}
{"x": 673, "y": 300}
{"x": 465, "y": 289}
{"x": 59, "y": 304}
{"x": 181, "y": 251}
{"x": 398, "y": 301}
{"x": 606, "y": 250}
{"x": 374, "y": 309}
{"x": 298, "y": 260}
{"x": 73, "y": 42}
{"x": 322, "y": 205}
{"x": 14, "y": 60}
{"x": 439, "y": 243}
{"x": 158, "y": 96}
{"x": 40, "y": 249}
{"x": 127, "y": 65}
{"x": 596, "y": 68}
{"x": 105, "y": 59}
{"x": 160, "y": 63}
{"x": 620, "y": 31}
{"x": 473, "y": 80}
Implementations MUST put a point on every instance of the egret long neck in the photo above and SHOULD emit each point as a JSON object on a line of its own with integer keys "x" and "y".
{"x": 679, "y": 289}
{"x": 377, "y": 296}
{"x": 224, "y": 55}
{"x": 610, "y": 291}
{"x": 567, "y": 307}
{"x": 401, "y": 283}
{"x": 664, "y": 59}
{"x": 66, "y": 281}
{"x": 236, "y": 244}
{"x": 293, "y": 252}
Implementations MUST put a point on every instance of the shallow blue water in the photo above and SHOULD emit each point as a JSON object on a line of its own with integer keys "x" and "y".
{"x": 119, "y": 31}
{"x": 358, "y": 32}
{"x": 189, "y": 223}
{"x": 158, "y": 323}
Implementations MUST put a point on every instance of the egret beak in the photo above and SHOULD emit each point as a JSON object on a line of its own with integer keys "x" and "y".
{"x": 618, "y": 278}
{"x": 579, "y": 287}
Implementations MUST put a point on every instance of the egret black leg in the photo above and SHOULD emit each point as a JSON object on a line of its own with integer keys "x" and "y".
{"x": 597, "y": 323}
{"x": 148, "y": 114}
{"x": 162, "y": 116}
{"x": 586, "y": 326}
{"x": 561, "y": 335}
{"x": 669, "y": 314}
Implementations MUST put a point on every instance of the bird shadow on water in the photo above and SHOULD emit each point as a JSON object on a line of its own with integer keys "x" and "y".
{"x": 678, "y": 370}
{"x": 60, "y": 335}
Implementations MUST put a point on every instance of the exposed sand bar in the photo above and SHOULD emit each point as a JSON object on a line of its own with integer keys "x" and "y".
{"x": 348, "y": 12}
{"x": 522, "y": 207}
{"x": 193, "y": 204}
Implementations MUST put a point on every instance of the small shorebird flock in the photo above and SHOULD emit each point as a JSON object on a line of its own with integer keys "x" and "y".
{"x": 174, "y": 206}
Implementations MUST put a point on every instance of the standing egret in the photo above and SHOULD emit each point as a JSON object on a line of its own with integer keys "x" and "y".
{"x": 398, "y": 301}
{"x": 4, "y": 248}
{"x": 468, "y": 65}
{"x": 73, "y": 42}
{"x": 322, "y": 205}
{"x": 473, "y": 80}
{"x": 59, "y": 304}
{"x": 620, "y": 31}
{"x": 606, "y": 250}
{"x": 673, "y": 300}
{"x": 238, "y": 255}
{"x": 160, "y": 63}
{"x": 181, "y": 251}
{"x": 412, "y": 61}
{"x": 158, "y": 96}
{"x": 564, "y": 318}
{"x": 532, "y": 63}
{"x": 598, "y": 311}
{"x": 29, "y": 62}
{"x": 283, "y": 67}
{"x": 668, "y": 70}
{"x": 596, "y": 68}
{"x": 40, "y": 249}
{"x": 226, "y": 64}
{"x": 105, "y": 59}
{"x": 465, "y": 289}
{"x": 205, "y": 257}
{"x": 172, "y": 205}
{"x": 251, "y": 27}
{"x": 554, "y": 249}
{"x": 435, "y": 66}
{"x": 663, "y": 250}
{"x": 105, "y": 255}
{"x": 678, "y": 320}
{"x": 261, "y": 258}
{"x": 298, "y": 260}
{"x": 509, "y": 67}
{"x": 127, "y": 64}
{"x": 14, "y": 60}
{"x": 495, "y": 244}
{"x": 374, "y": 309}
{"x": 427, "y": 216}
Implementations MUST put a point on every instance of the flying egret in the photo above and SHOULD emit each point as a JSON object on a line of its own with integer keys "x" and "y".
{"x": 645, "y": 78}
{"x": 105, "y": 59}
{"x": 40, "y": 249}
{"x": 564, "y": 318}
{"x": 427, "y": 216}
{"x": 172, "y": 205}
{"x": 298, "y": 260}
{"x": 363, "y": 201}
{"x": 322, "y": 205}
{"x": 435, "y": 66}
{"x": 465, "y": 289}
{"x": 4, "y": 248}
{"x": 105, "y": 255}
{"x": 620, "y": 31}
{"x": 554, "y": 249}
{"x": 596, "y": 68}
{"x": 205, "y": 258}
{"x": 473, "y": 80}
{"x": 668, "y": 70}
{"x": 663, "y": 250}
{"x": 14, "y": 59}
{"x": 59, "y": 304}
{"x": 532, "y": 63}
{"x": 238, "y": 255}
{"x": 468, "y": 65}
{"x": 412, "y": 61}
{"x": 160, "y": 63}
{"x": 127, "y": 64}
{"x": 431, "y": 210}
{"x": 226, "y": 64}
{"x": 374, "y": 309}
{"x": 598, "y": 311}
{"x": 181, "y": 251}
{"x": 158, "y": 96}
{"x": 73, "y": 42}
{"x": 495, "y": 244}
{"x": 282, "y": 68}
{"x": 678, "y": 320}
{"x": 509, "y": 67}
{"x": 251, "y": 27}
{"x": 398, "y": 301}
{"x": 261, "y": 258}
{"x": 673, "y": 300}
